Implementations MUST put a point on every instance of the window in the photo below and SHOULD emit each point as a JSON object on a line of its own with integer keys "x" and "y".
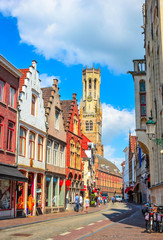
{"x": 22, "y": 140}
{"x": 12, "y": 97}
{"x": 2, "y": 90}
{"x": 90, "y": 84}
{"x": 61, "y": 156}
{"x": 33, "y": 105}
{"x": 72, "y": 153}
{"x": 5, "y": 190}
{"x": 87, "y": 126}
{"x": 57, "y": 112}
{"x": 91, "y": 126}
{"x": 40, "y": 148}
{"x": 142, "y": 98}
{"x": 31, "y": 145}
{"x": 55, "y": 154}
{"x": 142, "y": 86}
{"x": 75, "y": 125}
{"x": 10, "y": 136}
{"x": 78, "y": 155}
{"x": 49, "y": 146}
{"x": 95, "y": 84}
{"x": 1, "y": 131}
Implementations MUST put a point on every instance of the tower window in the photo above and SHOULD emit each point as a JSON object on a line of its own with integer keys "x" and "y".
{"x": 142, "y": 98}
{"x": 95, "y": 84}
{"x": 90, "y": 84}
{"x": 89, "y": 126}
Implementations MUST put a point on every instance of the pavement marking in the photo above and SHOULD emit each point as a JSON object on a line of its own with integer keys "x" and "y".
{"x": 62, "y": 234}
{"x": 100, "y": 221}
{"x": 49, "y": 239}
{"x": 79, "y": 228}
{"x": 90, "y": 224}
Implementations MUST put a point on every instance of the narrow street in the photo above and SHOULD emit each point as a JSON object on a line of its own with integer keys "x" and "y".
{"x": 118, "y": 221}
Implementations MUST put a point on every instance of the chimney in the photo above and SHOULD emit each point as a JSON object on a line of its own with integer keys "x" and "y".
{"x": 34, "y": 64}
{"x": 74, "y": 96}
{"x": 55, "y": 83}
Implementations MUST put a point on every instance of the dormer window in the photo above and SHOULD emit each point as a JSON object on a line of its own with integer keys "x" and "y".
{"x": 33, "y": 105}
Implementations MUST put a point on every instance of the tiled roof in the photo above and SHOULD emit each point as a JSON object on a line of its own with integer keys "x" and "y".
{"x": 46, "y": 93}
{"x": 112, "y": 167}
{"x": 21, "y": 83}
{"x": 66, "y": 105}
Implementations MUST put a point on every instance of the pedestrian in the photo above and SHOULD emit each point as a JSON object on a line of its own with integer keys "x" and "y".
{"x": 113, "y": 199}
{"x": 99, "y": 200}
{"x": 81, "y": 203}
{"x": 104, "y": 198}
{"x": 77, "y": 203}
{"x": 87, "y": 203}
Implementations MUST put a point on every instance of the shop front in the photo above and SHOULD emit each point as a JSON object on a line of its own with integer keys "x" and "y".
{"x": 54, "y": 193}
{"x": 9, "y": 179}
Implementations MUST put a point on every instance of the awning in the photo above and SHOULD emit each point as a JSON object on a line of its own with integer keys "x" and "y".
{"x": 128, "y": 189}
{"x": 11, "y": 173}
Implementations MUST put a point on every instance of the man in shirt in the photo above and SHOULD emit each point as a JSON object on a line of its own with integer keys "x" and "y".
{"x": 77, "y": 203}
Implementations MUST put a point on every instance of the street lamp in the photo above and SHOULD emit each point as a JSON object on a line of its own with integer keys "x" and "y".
{"x": 150, "y": 130}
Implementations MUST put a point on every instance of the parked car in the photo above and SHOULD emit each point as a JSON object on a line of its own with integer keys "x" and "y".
{"x": 118, "y": 198}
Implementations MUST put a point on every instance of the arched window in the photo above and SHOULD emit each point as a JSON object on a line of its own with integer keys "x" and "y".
{"x": 90, "y": 84}
{"x": 142, "y": 98}
{"x": 72, "y": 153}
{"x": 91, "y": 126}
{"x": 75, "y": 125}
{"x": 78, "y": 155}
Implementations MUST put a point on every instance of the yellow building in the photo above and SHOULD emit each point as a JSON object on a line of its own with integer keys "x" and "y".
{"x": 90, "y": 107}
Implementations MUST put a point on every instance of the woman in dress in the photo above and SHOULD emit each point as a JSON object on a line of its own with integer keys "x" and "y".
{"x": 87, "y": 203}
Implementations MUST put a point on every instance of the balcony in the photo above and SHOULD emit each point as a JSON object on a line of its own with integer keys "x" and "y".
{"x": 139, "y": 67}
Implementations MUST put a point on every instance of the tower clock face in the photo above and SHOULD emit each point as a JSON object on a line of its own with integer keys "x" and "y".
{"x": 89, "y": 98}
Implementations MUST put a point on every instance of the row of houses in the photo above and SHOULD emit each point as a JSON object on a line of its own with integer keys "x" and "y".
{"x": 143, "y": 166}
{"x": 45, "y": 159}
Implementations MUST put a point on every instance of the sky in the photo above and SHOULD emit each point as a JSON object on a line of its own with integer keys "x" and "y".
{"x": 64, "y": 36}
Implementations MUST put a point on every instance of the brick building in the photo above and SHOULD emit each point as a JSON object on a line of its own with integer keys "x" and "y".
{"x": 9, "y": 175}
{"x": 73, "y": 149}
{"x": 56, "y": 148}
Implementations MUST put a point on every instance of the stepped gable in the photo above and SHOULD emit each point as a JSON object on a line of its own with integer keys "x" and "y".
{"x": 112, "y": 166}
{"x": 67, "y": 106}
{"x": 22, "y": 79}
{"x": 46, "y": 94}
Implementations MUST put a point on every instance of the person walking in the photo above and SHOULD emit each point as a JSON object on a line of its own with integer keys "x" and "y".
{"x": 104, "y": 199}
{"x": 87, "y": 203}
{"x": 81, "y": 203}
{"x": 77, "y": 203}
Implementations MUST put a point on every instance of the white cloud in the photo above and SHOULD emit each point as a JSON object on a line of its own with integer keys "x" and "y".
{"x": 109, "y": 154}
{"x": 47, "y": 81}
{"x": 116, "y": 122}
{"x": 81, "y": 31}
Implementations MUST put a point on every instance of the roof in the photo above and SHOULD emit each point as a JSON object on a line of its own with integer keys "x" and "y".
{"x": 10, "y": 67}
{"x": 83, "y": 154}
{"x": 46, "y": 93}
{"x": 112, "y": 167}
{"x": 85, "y": 142}
{"x": 66, "y": 105}
{"x": 21, "y": 83}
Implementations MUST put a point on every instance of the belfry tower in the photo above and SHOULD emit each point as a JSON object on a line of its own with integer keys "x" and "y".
{"x": 90, "y": 107}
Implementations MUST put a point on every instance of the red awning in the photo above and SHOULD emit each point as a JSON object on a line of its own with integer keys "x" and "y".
{"x": 128, "y": 189}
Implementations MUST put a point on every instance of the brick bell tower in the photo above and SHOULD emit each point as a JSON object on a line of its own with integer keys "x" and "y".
{"x": 90, "y": 107}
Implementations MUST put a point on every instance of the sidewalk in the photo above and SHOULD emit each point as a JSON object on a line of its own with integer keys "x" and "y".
{"x": 15, "y": 222}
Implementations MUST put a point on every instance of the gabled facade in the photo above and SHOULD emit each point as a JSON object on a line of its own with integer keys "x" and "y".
{"x": 56, "y": 150}
{"x": 73, "y": 149}
{"x": 9, "y": 175}
{"x": 32, "y": 142}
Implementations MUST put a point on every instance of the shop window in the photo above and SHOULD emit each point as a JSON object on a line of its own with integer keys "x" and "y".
{"x": 48, "y": 197}
{"x": 61, "y": 156}
{"x": 55, "y": 191}
{"x": 75, "y": 125}
{"x": 5, "y": 194}
{"x": 1, "y": 131}
{"x": 39, "y": 190}
{"x": 20, "y": 195}
{"x": 57, "y": 112}
{"x": 2, "y": 85}
{"x": 31, "y": 145}
{"x": 55, "y": 154}
{"x": 10, "y": 136}
{"x": 22, "y": 140}
{"x": 33, "y": 105}
{"x": 61, "y": 192}
{"x": 40, "y": 148}
{"x": 12, "y": 97}
{"x": 49, "y": 148}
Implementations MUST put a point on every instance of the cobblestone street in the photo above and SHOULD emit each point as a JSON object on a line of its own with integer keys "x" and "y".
{"x": 118, "y": 221}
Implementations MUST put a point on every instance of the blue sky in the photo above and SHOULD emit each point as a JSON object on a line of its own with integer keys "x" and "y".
{"x": 65, "y": 35}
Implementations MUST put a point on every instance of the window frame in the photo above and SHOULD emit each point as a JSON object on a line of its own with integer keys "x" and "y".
{"x": 142, "y": 92}
{"x": 61, "y": 153}
{"x": 40, "y": 149}
{"x": 2, "y": 90}
{"x": 33, "y": 105}
{"x": 1, "y": 131}
{"x": 12, "y": 100}
{"x": 10, "y": 137}
{"x": 22, "y": 138}
{"x": 49, "y": 150}
{"x": 57, "y": 116}
{"x": 55, "y": 153}
{"x": 32, "y": 143}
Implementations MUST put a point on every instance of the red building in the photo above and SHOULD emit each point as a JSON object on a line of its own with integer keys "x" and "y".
{"x": 73, "y": 149}
{"x": 9, "y": 175}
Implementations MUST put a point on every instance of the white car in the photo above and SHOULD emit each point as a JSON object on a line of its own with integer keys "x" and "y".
{"x": 118, "y": 198}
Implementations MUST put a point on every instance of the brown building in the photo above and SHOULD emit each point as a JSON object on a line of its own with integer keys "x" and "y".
{"x": 56, "y": 147}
